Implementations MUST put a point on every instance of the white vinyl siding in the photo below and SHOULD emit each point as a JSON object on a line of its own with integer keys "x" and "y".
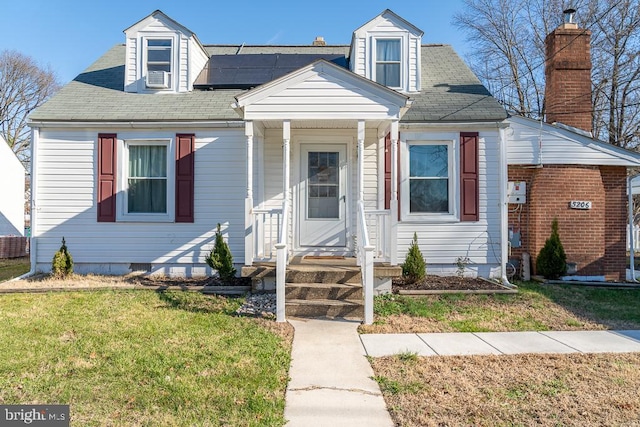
{"x": 358, "y": 56}
{"x": 320, "y": 98}
{"x": 193, "y": 63}
{"x": 441, "y": 243}
{"x": 131, "y": 65}
{"x": 530, "y": 143}
{"x": 66, "y": 205}
{"x": 414, "y": 84}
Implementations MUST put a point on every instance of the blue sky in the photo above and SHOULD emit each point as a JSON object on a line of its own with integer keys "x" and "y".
{"x": 68, "y": 35}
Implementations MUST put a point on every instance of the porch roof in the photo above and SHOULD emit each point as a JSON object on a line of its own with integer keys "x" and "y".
{"x": 321, "y": 90}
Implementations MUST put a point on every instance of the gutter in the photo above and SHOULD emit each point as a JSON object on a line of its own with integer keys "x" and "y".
{"x": 504, "y": 215}
{"x": 35, "y": 136}
{"x": 142, "y": 124}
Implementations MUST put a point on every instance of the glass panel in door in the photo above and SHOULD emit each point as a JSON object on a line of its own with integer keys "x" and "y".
{"x": 324, "y": 185}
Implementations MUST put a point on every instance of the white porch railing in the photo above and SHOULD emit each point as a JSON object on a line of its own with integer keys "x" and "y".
{"x": 379, "y": 221}
{"x": 365, "y": 253}
{"x": 636, "y": 237}
{"x": 282, "y": 259}
{"x": 266, "y": 226}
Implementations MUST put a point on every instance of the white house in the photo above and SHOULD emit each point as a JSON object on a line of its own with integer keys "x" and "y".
{"x": 296, "y": 150}
{"x": 12, "y": 198}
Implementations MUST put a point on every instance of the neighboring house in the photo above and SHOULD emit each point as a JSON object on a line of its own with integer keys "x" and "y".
{"x": 294, "y": 150}
{"x": 12, "y": 177}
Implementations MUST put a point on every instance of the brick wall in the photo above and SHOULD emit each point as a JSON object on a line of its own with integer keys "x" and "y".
{"x": 568, "y": 78}
{"x": 616, "y": 217}
{"x": 594, "y": 238}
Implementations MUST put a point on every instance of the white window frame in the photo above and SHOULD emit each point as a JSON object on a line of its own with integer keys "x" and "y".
{"x": 402, "y": 61}
{"x": 145, "y": 60}
{"x": 453, "y": 172}
{"x": 122, "y": 212}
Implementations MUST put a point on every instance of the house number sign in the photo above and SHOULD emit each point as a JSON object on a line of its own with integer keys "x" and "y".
{"x": 579, "y": 204}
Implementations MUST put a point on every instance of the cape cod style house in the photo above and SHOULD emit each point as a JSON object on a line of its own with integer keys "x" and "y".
{"x": 295, "y": 150}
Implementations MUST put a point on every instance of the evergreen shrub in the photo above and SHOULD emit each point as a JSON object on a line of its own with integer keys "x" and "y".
{"x": 552, "y": 260}
{"x": 414, "y": 268}
{"x": 220, "y": 258}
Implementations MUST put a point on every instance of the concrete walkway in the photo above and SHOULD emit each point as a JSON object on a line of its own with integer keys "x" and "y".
{"x": 463, "y": 344}
{"x": 330, "y": 378}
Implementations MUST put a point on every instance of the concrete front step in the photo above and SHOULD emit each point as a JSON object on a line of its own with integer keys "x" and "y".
{"x": 323, "y": 291}
{"x": 323, "y": 275}
{"x": 324, "y": 308}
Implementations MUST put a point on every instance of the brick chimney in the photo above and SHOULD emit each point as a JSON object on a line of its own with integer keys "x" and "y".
{"x": 568, "y": 75}
{"x": 319, "y": 41}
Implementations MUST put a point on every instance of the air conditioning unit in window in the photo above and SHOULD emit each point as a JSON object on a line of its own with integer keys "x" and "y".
{"x": 158, "y": 79}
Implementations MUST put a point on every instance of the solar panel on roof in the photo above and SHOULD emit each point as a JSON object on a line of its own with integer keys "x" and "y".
{"x": 249, "y": 70}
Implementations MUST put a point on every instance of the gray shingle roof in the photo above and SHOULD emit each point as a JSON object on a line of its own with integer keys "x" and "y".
{"x": 451, "y": 92}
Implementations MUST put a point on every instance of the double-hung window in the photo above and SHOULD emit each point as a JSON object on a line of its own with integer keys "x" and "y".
{"x": 147, "y": 184}
{"x": 388, "y": 62}
{"x": 158, "y": 63}
{"x": 428, "y": 181}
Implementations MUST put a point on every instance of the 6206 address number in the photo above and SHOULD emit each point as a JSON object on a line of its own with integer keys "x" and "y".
{"x": 579, "y": 204}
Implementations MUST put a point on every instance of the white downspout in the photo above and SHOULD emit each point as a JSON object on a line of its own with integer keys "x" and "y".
{"x": 35, "y": 136}
{"x": 504, "y": 214}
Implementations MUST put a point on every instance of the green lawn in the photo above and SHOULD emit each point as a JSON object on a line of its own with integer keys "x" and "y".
{"x": 536, "y": 307}
{"x": 139, "y": 358}
{"x": 14, "y": 267}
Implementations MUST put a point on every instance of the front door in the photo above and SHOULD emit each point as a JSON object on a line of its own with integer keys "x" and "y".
{"x": 322, "y": 196}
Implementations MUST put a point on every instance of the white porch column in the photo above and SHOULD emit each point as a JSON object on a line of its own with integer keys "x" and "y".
{"x": 360, "y": 160}
{"x": 286, "y": 160}
{"x": 250, "y": 231}
{"x": 393, "y": 203}
{"x": 282, "y": 254}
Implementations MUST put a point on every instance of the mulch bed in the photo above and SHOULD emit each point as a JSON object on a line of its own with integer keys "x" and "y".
{"x": 446, "y": 283}
{"x": 182, "y": 281}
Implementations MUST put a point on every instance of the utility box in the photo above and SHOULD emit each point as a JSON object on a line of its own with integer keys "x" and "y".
{"x": 517, "y": 192}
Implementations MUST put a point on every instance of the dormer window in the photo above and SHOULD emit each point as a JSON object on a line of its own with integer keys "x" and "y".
{"x": 388, "y": 62}
{"x": 158, "y": 63}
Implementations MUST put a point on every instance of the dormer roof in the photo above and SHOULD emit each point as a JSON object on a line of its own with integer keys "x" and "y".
{"x": 160, "y": 16}
{"x": 395, "y": 19}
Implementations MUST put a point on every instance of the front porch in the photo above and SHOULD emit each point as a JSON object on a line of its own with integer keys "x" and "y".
{"x": 320, "y": 132}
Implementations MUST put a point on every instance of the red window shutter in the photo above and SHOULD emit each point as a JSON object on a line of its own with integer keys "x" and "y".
{"x": 107, "y": 177}
{"x": 469, "y": 187}
{"x": 185, "y": 147}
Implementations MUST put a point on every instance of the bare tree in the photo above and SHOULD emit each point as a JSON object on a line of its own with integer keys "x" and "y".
{"x": 509, "y": 56}
{"x": 23, "y": 87}
{"x": 616, "y": 71}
